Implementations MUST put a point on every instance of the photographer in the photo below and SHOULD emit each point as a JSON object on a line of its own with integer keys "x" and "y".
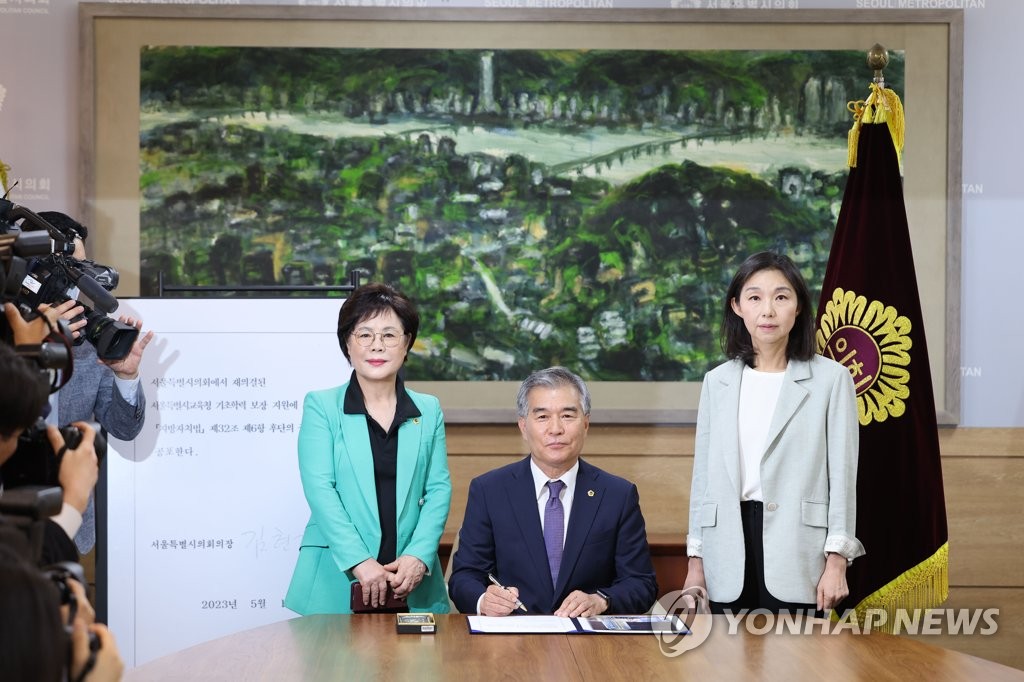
{"x": 108, "y": 391}
{"x": 21, "y": 403}
{"x": 47, "y": 628}
{"x": 25, "y": 391}
{"x": 35, "y": 624}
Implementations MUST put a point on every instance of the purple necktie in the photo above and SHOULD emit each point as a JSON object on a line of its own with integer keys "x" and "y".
{"x": 554, "y": 527}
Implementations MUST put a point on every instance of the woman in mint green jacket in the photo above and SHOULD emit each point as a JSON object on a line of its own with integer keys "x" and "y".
{"x": 374, "y": 469}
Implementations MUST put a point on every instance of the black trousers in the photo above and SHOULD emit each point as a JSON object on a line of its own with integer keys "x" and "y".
{"x": 755, "y": 594}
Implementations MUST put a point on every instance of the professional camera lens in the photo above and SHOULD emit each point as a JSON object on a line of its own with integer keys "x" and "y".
{"x": 113, "y": 340}
{"x": 52, "y": 356}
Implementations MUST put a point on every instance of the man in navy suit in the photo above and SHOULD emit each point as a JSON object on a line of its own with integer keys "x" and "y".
{"x": 557, "y": 534}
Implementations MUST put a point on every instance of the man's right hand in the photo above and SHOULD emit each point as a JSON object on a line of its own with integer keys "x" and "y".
{"x": 79, "y": 468}
{"x": 498, "y": 602}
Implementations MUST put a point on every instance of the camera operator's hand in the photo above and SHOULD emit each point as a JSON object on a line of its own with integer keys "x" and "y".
{"x": 79, "y": 468}
{"x": 84, "y": 609}
{"x": 106, "y": 663}
{"x": 128, "y": 366}
{"x": 69, "y": 310}
{"x": 33, "y": 332}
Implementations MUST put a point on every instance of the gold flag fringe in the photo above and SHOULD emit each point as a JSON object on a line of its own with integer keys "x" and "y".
{"x": 882, "y": 106}
{"x": 923, "y": 586}
{"x": 3, "y": 175}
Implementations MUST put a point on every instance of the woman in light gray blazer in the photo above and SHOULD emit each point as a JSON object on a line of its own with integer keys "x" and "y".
{"x": 773, "y": 496}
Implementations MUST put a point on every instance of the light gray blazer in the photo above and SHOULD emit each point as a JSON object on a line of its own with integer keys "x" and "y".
{"x": 91, "y": 395}
{"x": 808, "y": 480}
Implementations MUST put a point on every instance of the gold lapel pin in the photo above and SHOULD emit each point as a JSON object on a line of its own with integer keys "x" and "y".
{"x": 590, "y": 493}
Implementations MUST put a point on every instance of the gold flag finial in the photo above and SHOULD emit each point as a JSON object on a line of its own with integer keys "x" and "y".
{"x": 878, "y": 59}
{"x": 882, "y": 106}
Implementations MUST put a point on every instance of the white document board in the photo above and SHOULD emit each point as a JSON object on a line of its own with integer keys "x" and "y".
{"x": 205, "y": 509}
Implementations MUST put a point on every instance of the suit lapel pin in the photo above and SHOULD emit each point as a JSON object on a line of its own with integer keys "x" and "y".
{"x": 590, "y": 493}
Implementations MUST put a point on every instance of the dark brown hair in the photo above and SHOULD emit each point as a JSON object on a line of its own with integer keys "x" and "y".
{"x": 33, "y": 643}
{"x": 369, "y": 301}
{"x": 64, "y": 223}
{"x": 736, "y": 340}
{"x": 24, "y": 393}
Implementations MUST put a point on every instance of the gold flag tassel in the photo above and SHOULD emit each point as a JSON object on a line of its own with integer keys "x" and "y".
{"x": 882, "y": 106}
{"x": 920, "y": 587}
{"x": 3, "y": 175}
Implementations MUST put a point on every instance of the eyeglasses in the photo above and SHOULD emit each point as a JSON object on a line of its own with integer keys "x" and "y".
{"x": 389, "y": 337}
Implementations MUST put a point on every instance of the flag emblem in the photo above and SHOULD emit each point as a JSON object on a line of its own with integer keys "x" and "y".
{"x": 872, "y": 340}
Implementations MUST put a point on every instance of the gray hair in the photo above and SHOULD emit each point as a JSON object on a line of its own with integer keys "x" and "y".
{"x": 552, "y": 377}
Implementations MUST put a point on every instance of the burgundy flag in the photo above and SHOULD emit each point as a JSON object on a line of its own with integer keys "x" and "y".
{"x": 869, "y": 319}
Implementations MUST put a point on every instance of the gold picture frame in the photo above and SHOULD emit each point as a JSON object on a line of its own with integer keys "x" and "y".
{"x": 112, "y": 35}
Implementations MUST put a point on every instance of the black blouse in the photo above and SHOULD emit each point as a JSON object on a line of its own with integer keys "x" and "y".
{"x": 384, "y": 448}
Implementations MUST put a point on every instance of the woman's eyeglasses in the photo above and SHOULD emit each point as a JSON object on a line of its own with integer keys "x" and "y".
{"x": 389, "y": 337}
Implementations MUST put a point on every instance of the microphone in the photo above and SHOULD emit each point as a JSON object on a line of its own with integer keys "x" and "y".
{"x": 101, "y": 298}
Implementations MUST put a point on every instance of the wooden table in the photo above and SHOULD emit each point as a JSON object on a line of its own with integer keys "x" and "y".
{"x": 367, "y": 648}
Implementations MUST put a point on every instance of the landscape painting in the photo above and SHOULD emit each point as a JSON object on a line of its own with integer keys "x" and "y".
{"x": 577, "y": 207}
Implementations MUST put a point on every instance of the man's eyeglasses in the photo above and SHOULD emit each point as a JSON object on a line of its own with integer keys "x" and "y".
{"x": 389, "y": 337}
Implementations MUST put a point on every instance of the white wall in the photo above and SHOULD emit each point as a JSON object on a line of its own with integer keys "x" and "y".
{"x": 39, "y": 140}
{"x": 205, "y": 507}
{"x": 992, "y": 325}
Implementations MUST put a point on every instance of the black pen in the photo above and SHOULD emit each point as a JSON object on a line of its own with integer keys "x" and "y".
{"x": 519, "y": 604}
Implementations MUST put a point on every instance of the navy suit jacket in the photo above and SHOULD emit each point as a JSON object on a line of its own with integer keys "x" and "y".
{"x": 605, "y": 545}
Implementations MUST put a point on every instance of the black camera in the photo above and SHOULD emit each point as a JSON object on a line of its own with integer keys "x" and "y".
{"x": 38, "y": 268}
{"x": 52, "y": 356}
{"x": 59, "y": 574}
{"x": 35, "y": 463}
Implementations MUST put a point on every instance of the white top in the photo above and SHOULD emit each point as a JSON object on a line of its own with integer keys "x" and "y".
{"x": 759, "y": 394}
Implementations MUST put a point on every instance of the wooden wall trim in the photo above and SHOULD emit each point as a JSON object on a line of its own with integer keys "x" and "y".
{"x": 979, "y": 442}
{"x": 983, "y": 476}
{"x": 637, "y": 440}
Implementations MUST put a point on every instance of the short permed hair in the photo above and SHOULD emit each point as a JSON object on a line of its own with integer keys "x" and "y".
{"x": 369, "y": 301}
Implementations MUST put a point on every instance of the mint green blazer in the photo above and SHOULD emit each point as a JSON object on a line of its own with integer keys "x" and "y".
{"x": 336, "y": 468}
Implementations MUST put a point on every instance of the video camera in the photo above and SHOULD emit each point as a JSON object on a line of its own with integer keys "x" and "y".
{"x": 36, "y": 267}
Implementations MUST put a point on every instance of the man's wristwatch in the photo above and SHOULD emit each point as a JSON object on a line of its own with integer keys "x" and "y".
{"x": 607, "y": 599}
